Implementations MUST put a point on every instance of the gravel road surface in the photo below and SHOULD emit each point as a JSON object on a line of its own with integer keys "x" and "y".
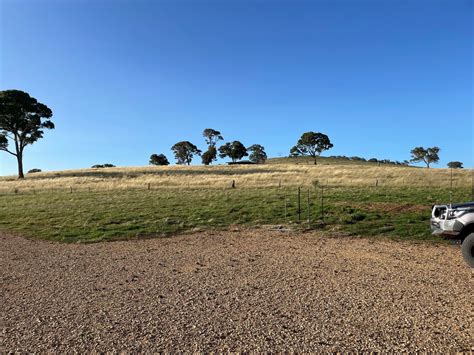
{"x": 238, "y": 290}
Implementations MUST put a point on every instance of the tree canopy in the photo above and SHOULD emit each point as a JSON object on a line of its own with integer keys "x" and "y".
{"x": 234, "y": 150}
{"x": 455, "y": 165}
{"x": 428, "y": 155}
{"x": 257, "y": 154}
{"x": 22, "y": 121}
{"x": 159, "y": 159}
{"x": 211, "y": 137}
{"x": 184, "y": 152}
{"x": 209, "y": 155}
{"x": 311, "y": 144}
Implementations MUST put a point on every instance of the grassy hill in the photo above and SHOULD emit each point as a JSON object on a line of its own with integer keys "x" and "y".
{"x": 136, "y": 202}
{"x": 275, "y": 173}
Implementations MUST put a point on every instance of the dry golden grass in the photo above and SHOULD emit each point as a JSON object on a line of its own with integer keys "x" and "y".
{"x": 221, "y": 176}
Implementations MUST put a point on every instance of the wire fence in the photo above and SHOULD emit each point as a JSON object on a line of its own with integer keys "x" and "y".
{"x": 34, "y": 187}
{"x": 157, "y": 209}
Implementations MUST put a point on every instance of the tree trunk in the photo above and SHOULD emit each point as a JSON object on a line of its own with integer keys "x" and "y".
{"x": 19, "y": 158}
{"x": 315, "y": 160}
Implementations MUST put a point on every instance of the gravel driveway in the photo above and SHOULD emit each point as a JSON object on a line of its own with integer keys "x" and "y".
{"x": 239, "y": 290}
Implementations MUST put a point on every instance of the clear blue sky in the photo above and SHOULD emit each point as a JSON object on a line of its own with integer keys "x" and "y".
{"x": 126, "y": 79}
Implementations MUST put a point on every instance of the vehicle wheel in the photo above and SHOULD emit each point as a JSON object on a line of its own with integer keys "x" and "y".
{"x": 467, "y": 248}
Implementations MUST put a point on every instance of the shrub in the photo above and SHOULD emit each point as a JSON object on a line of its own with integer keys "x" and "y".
{"x": 99, "y": 166}
{"x": 455, "y": 165}
{"x": 357, "y": 159}
{"x": 159, "y": 159}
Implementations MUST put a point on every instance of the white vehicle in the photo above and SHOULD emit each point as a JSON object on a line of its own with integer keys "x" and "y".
{"x": 456, "y": 222}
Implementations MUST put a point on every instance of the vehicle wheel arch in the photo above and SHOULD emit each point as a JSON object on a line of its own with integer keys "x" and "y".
{"x": 467, "y": 229}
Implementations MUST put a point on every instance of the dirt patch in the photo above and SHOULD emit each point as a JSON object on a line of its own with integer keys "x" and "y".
{"x": 249, "y": 290}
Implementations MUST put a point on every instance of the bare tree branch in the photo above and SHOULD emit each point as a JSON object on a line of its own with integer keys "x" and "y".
{"x": 6, "y": 150}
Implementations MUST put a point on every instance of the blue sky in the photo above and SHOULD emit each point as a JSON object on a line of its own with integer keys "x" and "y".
{"x": 126, "y": 79}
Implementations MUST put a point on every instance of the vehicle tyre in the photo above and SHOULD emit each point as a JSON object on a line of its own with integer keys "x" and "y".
{"x": 467, "y": 248}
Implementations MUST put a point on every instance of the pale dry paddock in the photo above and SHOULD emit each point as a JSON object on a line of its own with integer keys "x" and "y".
{"x": 221, "y": 176}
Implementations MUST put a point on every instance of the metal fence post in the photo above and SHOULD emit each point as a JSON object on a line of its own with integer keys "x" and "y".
{"x": 299, "y": 203}
{"x": 309, "y": 209}
{"x": 322, "y": 203}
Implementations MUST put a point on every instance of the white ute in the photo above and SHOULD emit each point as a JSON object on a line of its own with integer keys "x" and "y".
{"x": 456, "y": 222}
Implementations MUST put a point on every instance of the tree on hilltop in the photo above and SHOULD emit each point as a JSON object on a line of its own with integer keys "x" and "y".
{"x": 455, "y": 165}
{"x": 211, "y": 137}
{"x": 159, "y": 159}
{"x": 428, "y": 155}
{"x": 234, "y": 150}
{"x": 209, "y": 155}
{"x": 22, "y": 121}
{"x": 184, "y": 152}
{"x": 311, "y": 144}
{"x": 257, "y": 154}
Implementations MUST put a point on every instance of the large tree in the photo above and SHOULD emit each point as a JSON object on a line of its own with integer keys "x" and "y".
{"x": 184, "y": 152}
{"x": 159, "y": 159}
{"x": 22, "y": 121}
{"x": 257, "y": 153}
{"x": 234, "y": 150}
{"x": 428, "y": 155}
{"x": 209, "y": 155}
{"x": 312, "y": 144}
{"x": 211, "y": 137}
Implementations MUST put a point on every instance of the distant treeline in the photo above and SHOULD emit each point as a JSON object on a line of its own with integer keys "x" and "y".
{"x": 23, "y": 120}
{"x": 371, "y": 160}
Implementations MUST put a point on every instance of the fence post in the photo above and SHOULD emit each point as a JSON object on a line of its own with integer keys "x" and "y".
{"x": 309, "y": 210}
{"x": 451, "y": 181}
{"x": 299, "y": 204}
{"x": 322, "y": 203}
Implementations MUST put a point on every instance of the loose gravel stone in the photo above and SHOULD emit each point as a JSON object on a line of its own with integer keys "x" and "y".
{"x": 239, "y": 290}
